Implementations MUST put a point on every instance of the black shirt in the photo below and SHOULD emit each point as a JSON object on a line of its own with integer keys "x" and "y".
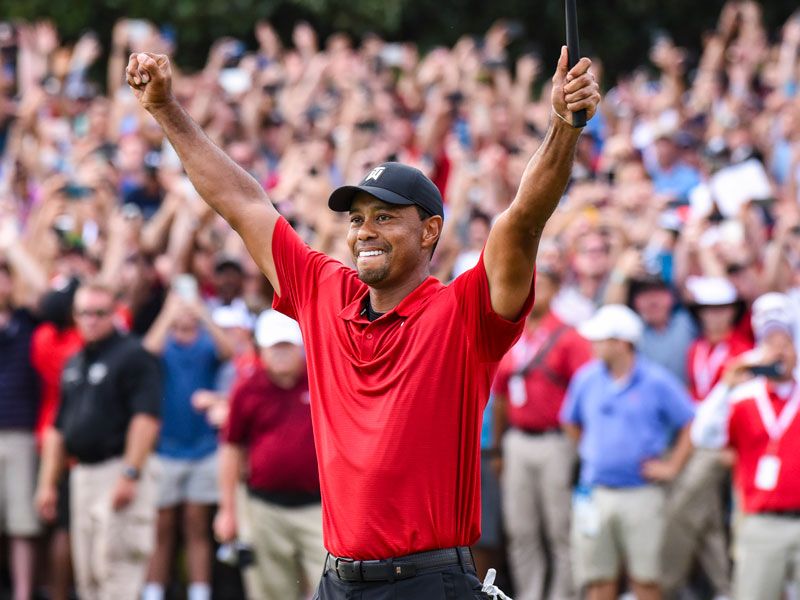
{"x": 19, "y": 383}
{"x": 102, "y": 388}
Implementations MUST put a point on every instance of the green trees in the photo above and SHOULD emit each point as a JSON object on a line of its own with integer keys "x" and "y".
{"x": 620, "y": 31}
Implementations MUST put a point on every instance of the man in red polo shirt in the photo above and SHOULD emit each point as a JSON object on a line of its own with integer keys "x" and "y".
{"x": 400, "y": 365}
{"x": 757, "y": 417}
{"x": 538, "y": 459}
{"x": 269, "y": 431}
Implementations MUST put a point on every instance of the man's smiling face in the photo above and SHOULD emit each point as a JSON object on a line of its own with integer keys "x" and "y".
{"x": 388, "y": 242}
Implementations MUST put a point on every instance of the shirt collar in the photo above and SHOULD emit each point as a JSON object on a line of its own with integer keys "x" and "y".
{"x": 407, "y": 306}
{"x": 95, "y": 348}
{"x": 631, "y": 378}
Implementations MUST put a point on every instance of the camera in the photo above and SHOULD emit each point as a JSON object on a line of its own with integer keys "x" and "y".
{"x": 236, "y": 554}
{"x": 771, "y": 371}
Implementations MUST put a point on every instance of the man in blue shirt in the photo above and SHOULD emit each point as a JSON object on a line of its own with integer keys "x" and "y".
{"x": 671, "y": 175}
{"x": 191, "y": 347}
{"x": 625, "y": 412}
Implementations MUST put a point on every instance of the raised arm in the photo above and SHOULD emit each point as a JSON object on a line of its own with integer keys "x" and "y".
{"x": 510, "y": 253}
{"x": 223, "y": 184}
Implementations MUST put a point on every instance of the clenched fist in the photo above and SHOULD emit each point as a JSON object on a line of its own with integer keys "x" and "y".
{"x": 150, "y": 77}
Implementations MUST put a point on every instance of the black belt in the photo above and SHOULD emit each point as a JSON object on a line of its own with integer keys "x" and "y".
{"x": 788, "y": 514}
{"x": 402, "y": 567}
{"x": 286, "y": 499}
{"x": 538, "y": 432}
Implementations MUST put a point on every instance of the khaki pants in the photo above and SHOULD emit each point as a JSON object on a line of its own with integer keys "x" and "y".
{"x": 767, "y": 554}
{"x": 616, "y": 528}
{"x": 695, "y": 526}
{"x": 110, "y": 549}
{"x": 283, "y": 539}
{"x": 537, "y": 481}
{"x": 17, "y": 484}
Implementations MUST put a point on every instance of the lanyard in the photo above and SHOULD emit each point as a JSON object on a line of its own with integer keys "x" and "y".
{"x": 777, "y": 426}
{"x": 706, "y": 365}
{"x": 528, "y": 347}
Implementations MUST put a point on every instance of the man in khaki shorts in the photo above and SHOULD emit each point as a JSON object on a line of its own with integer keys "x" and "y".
{"x": 624, "y": 411}
{"x": 108, "y": 421}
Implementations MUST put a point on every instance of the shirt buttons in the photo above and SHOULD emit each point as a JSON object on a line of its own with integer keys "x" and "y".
{"x": 369, "y": 336}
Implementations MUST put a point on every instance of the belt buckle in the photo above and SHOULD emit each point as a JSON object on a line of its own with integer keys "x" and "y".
{"x": 348, "y": 569}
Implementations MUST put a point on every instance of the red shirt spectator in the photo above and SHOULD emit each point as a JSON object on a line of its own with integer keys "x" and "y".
{"x": 274, "y": 424}
{"x": 51, "y": 347}
{"x": 535, "y": 373}
{"x": 706, "y": 362}
{"x": 748, "y": 435}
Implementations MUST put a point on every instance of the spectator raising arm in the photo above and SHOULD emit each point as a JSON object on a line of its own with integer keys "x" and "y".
{"x": 157, "y": 335}
{"x": 174, "y": 307}
{"x": 223, "y": 184}
{"x": 510, "y": 252}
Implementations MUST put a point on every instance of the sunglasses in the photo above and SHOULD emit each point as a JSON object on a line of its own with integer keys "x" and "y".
{"x": 99, "y": 313}
{"x": 736, "y": 268}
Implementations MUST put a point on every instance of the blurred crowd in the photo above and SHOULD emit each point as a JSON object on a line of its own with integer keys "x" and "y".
{"x": 684, "y": 207}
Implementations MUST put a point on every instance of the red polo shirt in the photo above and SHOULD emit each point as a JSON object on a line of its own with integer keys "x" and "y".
{"x": 537, "y": 406}
{"x": 274, "y": 425}
{"x": 706, "y": 363}
{"x": 50, "y": 349}
{"x": 748, "y": 436}
{"x": 396, "y": 403}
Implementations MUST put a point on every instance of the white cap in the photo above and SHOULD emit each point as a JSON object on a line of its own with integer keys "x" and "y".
{"x": 613, "y": 322}
{"x": 711, "y": 291}
{"x": 273, "y": 328}
{"x": 773, "y": 311}
{"x": 233, "y": 315}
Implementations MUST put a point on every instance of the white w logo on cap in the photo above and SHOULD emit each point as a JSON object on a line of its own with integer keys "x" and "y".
{"x": 374, "y": 174}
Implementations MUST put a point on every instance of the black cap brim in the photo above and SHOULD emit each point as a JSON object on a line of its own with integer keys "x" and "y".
{"x": 342, "y": 198}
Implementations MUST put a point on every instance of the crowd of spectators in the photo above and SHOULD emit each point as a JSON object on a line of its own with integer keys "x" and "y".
{"x": 684, "y": 205}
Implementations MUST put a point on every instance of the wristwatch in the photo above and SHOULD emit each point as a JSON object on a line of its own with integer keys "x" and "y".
{"x": 131, "y": 472}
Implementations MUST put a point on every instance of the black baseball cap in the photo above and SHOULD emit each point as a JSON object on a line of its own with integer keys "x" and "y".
{"x": 393, "y": 183}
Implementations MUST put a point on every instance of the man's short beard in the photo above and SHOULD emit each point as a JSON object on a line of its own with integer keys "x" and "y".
{"x": 373, "y": 276}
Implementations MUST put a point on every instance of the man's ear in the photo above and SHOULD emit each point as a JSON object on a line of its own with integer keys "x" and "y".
{"x": 431, "y": 231}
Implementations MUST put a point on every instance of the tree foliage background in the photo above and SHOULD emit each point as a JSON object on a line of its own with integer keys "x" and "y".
{"x": 618, "y": 31}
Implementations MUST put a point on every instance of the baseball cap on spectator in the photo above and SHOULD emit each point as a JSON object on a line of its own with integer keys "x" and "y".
{"x": 393, "y": 183}
{"x": 613, "y": 322}
{"x": 549, "y": 270}
{"x": 228, "y": 262}
{"x": 773, "y": 311}
{"x": 233, "y": 315}
{"x": 711, "y": 291}
{"x": 665, "y": 131}
{"x": 274, "y": 328}
{"x": 671, "y": 221}
{"x": 707, "y": 292}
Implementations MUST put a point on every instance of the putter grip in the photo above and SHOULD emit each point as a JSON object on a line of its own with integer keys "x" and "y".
{"x": 574, "y": 50}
